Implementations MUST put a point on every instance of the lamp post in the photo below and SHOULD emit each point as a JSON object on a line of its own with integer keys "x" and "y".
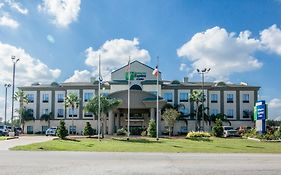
{"x": 202, "y": 72}
{"x": 6, "y": 90}
{"x": 15, "y": 60}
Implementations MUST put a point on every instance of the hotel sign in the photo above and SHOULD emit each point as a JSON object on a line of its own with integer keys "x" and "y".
{"x": 135, "y": 75}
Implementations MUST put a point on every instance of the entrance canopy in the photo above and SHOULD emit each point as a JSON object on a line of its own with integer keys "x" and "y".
{"x": 139, "y": 99}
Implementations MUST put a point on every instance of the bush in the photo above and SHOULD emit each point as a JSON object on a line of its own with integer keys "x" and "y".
{"x": 121, "y": 132}
{"x": 218, "y": 129}
{"x": 144, "y": 133}
{"x": 62, "y": 131}
{"x": 193, "y": 134}
{"x": 88, "y": 130}
{"x": 151, "y": 130}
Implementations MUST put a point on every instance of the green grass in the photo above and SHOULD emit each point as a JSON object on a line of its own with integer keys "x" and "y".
{"x": 214, "y": 145}
{"x": 3, "y": 138}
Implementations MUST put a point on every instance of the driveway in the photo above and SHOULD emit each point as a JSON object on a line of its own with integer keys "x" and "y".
{"x": 23, "y": 140}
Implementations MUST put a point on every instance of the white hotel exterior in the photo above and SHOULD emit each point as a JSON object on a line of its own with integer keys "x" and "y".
{"x": 229, "y": 99}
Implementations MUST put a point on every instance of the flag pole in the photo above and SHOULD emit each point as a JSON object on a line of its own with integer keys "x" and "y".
{"x": 157, "y": 101}
{"x": 99, "y": 99}
{"x": 129, "y": 78}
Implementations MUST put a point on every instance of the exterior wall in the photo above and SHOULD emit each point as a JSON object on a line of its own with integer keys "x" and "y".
{"x": 185, "y": 104}
{"x": 59, "y": 105}
{"x": 45, "y": 105}
{"x": 118, "y": 87}
{"x": 33, "y": 105}
{"x": 246, "y": 106}
{"x": 214, "y": 105}
{"x": 230, "y": 105}
{"x": 75, "y": 91}
{"x": 152, "y": 88}
{"x": 85, "y": 103}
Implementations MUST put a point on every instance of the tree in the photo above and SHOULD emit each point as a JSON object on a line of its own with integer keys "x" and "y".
{"x": 47, "y": 118}
{"x": 21, "y": 97}
{"x": 62, "y": 131}
{"x": 151, "y": 130}
{"x": 220, "y": 116}
{"x": 88, "y": 130}
{"x": 196, "y": 96}
{"x": 106, "y": 104}
{"x": 72, "y": 101}
{"x": 170, "y": 116}
{"x": 218, "y": 129}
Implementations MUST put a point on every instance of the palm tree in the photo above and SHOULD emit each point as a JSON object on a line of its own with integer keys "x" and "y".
{"x": 196, "y": 96}
{"x": 21, "y": 97}
{"x": 47, "y": 118}
{"x": 25, "y": 115}
{"x": 72, "y": 101}
{"x": 220, "y": 116}
{"x": 106, "y": 104}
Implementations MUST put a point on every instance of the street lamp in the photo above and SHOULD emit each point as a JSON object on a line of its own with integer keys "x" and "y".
{"x": 203, "y": 72}
{"x": 6, "y": 90}
{"x": 15, "y": 60}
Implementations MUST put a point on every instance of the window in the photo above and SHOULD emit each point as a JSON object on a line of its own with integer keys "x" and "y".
{"x": 30, "y": 98}
{"x": 44, "y": 128}
{"x": 88, "y": 96}
{"x": 183, "y": 110}
{"x": 72, "y": 113}
{"x": 60, "y": 113}
{"x": 153, "y": 92}
{"x": 29, "y": 129}
{"x": 230, "y": 113}
{"x": 246, "y": 113}
{"x": 45, "y": 111}
{"x": 214, "y": 112}
{"x": 45, "y": 98}
{"x": 60, "y": 98}
{"x": 72, "y": 129}
{"x": 229, "y": 98}
{"x": 214, "y": 98}
{"x": 246, "y": 98}
{"x": 168, "y": 96}
{"x": 183, "y": 97}
{"x": 88, "y": 114}
{"x": 30, "y": 112}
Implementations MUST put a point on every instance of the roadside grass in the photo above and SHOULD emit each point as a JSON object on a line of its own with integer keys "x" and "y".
{"x": 214, "y": 145}
{"x": 3, "y": 138}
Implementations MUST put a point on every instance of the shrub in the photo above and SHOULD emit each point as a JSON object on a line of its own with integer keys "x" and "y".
{"x": 121, "y": 132}
{"x": 144, "y": 133}
{"x": 197, "y": 134}
{"x": 151, "y": 130}
{"x": 62, "y": 131}
{"x": 88, "y": 130}
{"x": 218, "y": 129}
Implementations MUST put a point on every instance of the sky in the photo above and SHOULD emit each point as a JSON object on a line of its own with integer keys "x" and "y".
{"x": 60, "y": 40}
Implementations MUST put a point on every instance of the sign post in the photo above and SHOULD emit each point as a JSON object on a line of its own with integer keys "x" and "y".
{"x": 260, "y": 116}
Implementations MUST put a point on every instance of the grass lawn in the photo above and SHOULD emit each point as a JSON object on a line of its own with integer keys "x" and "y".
{"x": 3, "y": 138}
{"x": 214, "y": 145}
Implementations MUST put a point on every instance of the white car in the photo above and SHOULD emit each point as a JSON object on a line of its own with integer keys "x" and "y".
{"x": 229, "y": 131}
{"x": 51, "y": 132}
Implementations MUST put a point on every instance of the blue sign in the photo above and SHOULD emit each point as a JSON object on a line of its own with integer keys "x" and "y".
{"x": 260, "y": 116}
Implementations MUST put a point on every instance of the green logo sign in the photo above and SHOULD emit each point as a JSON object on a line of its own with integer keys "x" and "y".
{"x": 135, "y": 75}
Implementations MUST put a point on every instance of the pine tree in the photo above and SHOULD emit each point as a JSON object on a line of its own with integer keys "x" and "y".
{"x": 151, "y": 130}
{"x": 88, "y": 130}
{"x": 62, "y": 132}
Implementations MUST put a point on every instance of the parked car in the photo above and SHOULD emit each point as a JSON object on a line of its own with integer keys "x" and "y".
{"x": 51, "y": 132}
{"x": 3, "y": 130}
{"x": 229, "y": 131}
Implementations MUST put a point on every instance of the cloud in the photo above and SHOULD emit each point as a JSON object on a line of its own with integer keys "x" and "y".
{"x": 115, "y": 53}
{"x": 274, "y": 108}
{"x": 51, "y": 39}
{"x": 63, "y": 12}
{"x": 28, "y": 69}
{"x": 271, "y": 39}
{"x": 8, "y": 22}
{"x": 17, "y": 6}
{"x": 224, "y": 52}
{"x": 80, "y": 76}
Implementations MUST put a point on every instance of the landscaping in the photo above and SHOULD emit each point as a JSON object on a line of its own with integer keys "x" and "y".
{"x": 144, "y": 144}
{"x": 3, "y": 138}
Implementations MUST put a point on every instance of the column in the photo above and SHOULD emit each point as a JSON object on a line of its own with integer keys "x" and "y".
{"x": 152, "y": 113}
{"x": 110, "y": 122}
{"x": 118, "y": 120}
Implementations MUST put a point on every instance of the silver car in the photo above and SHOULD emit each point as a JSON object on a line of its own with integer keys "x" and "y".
{"x": 51, "y": 132}
{"x": 229, "y": 131}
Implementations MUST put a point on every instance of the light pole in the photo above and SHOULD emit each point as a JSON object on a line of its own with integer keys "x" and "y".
{"x": 15, "y": 60}
{"x": 6, "y": 90}
{"x": 202, "y": 73}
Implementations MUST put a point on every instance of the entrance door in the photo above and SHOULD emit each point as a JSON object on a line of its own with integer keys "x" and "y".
{"x": 136, "y": 130}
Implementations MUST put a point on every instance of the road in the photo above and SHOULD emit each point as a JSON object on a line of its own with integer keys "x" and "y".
{"x": 89, "y": 163}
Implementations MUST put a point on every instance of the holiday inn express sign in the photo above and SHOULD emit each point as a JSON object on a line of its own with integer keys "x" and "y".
{"x": 135, "y": 75}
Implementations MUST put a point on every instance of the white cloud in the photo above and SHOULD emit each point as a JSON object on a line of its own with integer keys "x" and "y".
{"x": 63, "y": 12}
{"x": 1, "y": 5}
{"x": 271, "y": 39}
{"x": 274, "y": 108}
{"x": 225, "y": 53}
{"x": 51, "y": 39}
{"x": 115, "y": 53}
{"x": 17, "y": 6}
{"x": 8, "y": 22}
{"x": 80, "y": 76}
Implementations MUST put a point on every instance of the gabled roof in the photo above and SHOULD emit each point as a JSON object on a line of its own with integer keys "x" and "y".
{"x": 132, "y": 63}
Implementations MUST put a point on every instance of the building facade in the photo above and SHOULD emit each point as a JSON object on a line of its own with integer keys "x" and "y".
{"x": 236, "y": 101}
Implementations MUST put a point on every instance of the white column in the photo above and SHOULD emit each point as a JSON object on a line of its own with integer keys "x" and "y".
{"x": 110, "y": 122}
{"x": 152, "y": 113}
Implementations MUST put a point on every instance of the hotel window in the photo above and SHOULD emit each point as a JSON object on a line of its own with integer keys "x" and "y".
{"x": 230, "y": 113}
{"x": 183, "y": 110}
{"x": 30, "y": 112}
{"x": 72, "y": 113}
{"x": 88, "y": 96}
{"x": 214, "y": 98}
{"x": 214, "y": 112}
{"x": 229, "y": 98}
{"x": 168, "y": 96}
{"x": 88, "y": 114}
{"x": 246, "y": 98}
{"x": 30, "y": 98}
{"x": 45, "y": 111}
{"x": 45, "y": 98}
{"x": 183, "y": 97}
{"x": 246, "y": 113}
{"x": 60, "y": 113}
{"x": 153, "y": 92}
{"x": 60, "y": 98}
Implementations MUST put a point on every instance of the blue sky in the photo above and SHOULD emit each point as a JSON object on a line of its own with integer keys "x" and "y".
{"x": 60, "y": 41}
